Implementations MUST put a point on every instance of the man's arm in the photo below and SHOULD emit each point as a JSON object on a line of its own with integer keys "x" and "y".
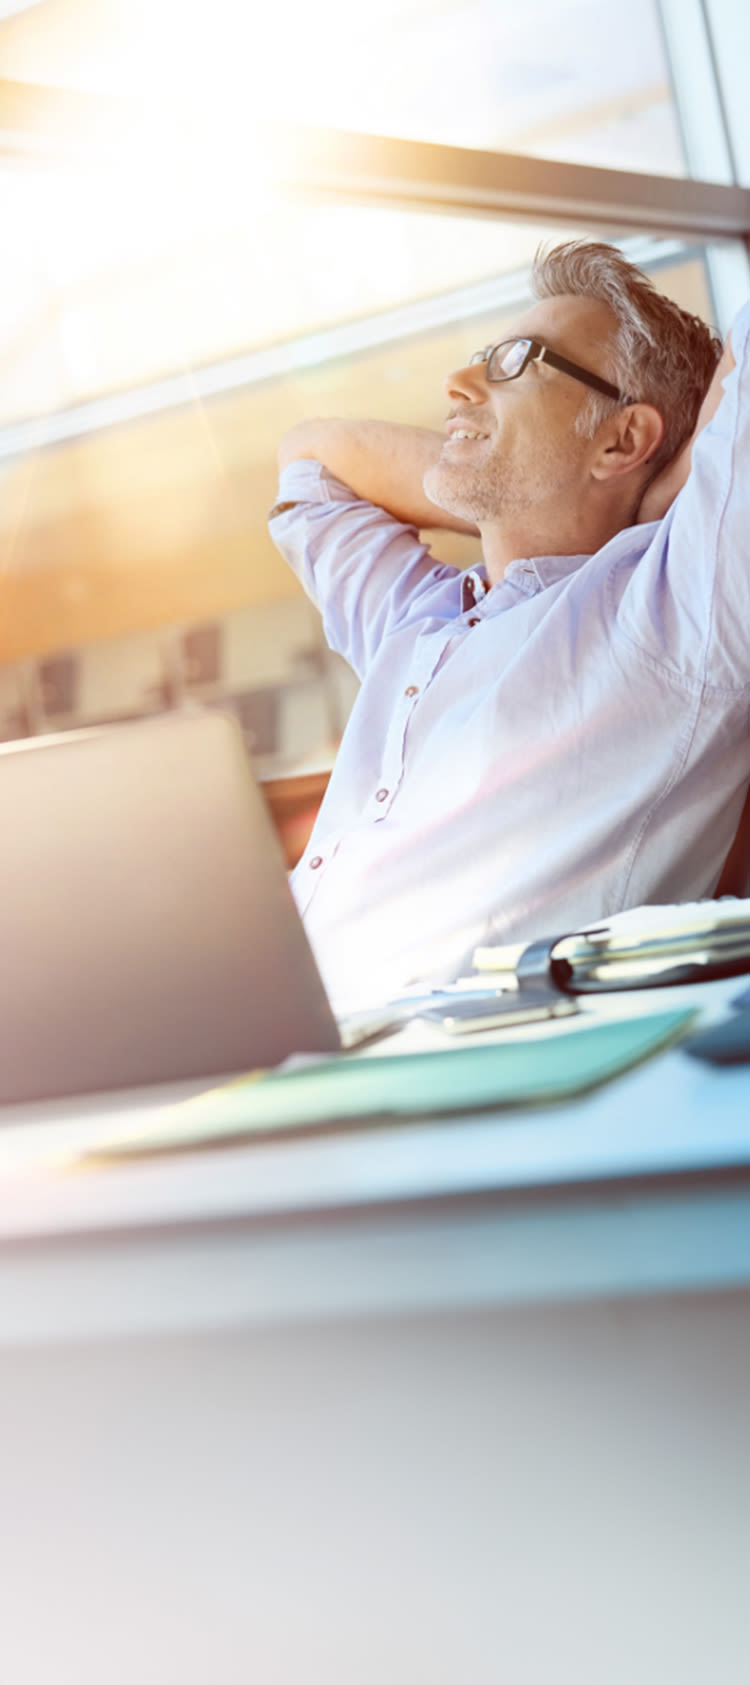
{"x": 382, "y": 463}
{"x": 660, "y": 495}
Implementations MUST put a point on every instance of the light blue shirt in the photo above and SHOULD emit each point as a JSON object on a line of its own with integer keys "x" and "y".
{"x": 525, "y": 759}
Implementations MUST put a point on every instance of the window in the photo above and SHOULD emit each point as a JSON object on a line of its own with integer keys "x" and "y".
{"x": 181, "y": 284}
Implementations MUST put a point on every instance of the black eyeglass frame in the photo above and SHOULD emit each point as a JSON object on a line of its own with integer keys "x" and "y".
{"x": 538, "y": 353}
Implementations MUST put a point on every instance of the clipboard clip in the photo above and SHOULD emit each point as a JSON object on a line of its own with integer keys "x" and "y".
{"x": 537, "y": 967}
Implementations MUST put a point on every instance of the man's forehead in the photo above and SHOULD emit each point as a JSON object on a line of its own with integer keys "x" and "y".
{"x": 568, "y": 322}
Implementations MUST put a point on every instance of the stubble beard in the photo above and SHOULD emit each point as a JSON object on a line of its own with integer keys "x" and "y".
{"x": 472, "y": 491}
{"x": 494, "y": 490}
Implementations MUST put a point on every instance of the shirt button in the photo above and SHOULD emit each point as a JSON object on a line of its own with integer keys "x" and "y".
{"x": 411, "y": 690}
{"x": 317, "y": 860}
{"x": 474, "y": 620}
{"x": 381, "y": 795}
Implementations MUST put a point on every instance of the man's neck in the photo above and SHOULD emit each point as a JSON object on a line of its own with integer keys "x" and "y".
{"x": 580, "y": 535}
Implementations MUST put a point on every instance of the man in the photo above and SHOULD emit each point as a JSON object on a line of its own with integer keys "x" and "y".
{"x": 564, "y": 731}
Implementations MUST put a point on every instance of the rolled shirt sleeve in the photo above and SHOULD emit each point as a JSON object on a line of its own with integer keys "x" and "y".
{"x": 366, "y": 572}
{"x": 688, "y": 603}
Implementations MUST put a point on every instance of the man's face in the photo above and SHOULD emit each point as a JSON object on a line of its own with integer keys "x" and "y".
{"x": 511, "y": 446}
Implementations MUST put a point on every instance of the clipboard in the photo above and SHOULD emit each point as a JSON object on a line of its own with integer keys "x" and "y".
{"x": 643, "y": 948}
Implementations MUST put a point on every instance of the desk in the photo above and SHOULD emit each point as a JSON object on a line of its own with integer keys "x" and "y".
{"x": 459, "y": 1401}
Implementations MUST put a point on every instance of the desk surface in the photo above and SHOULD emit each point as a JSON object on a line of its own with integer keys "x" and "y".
{"x": 643, "y": 1184}
{"x": 457, "y": 1400}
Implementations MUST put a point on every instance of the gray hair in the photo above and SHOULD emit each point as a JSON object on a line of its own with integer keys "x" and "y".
{"x": 661, "y": 355}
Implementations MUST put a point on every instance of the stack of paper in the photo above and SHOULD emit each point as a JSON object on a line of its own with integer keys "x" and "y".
{"x": 646, "y": 946}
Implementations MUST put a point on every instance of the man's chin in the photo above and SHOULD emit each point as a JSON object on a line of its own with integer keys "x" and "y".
{"x": 436, "y": 486}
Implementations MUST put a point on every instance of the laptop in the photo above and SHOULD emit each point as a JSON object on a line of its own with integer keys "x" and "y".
{"x": 147, "y": 930}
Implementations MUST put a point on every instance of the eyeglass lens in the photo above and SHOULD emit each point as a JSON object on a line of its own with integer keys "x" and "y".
{"x": 504, "y": 361}
{"x": 508, "y": 359}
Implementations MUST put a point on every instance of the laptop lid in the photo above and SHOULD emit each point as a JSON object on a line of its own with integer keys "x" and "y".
{"x": 147, "y": 930}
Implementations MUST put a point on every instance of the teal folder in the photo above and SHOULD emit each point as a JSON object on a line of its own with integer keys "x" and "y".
{"x": 343, "y": 1093}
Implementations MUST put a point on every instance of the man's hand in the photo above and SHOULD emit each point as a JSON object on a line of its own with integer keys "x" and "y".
{"x": 382, "y": 462}
{"x": 660, "y": 495}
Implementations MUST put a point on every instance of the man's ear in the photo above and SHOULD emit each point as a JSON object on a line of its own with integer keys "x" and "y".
{"x": 626, "y": 441}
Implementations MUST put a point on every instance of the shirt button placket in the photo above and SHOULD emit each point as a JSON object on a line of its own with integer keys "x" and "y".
{"x": 426, "y": 660}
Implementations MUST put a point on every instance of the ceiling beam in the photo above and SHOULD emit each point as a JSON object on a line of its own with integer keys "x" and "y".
{"x": 416, "y": 175}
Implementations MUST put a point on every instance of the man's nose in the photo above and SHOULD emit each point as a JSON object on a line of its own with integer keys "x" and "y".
{"x": 467, "y": 384}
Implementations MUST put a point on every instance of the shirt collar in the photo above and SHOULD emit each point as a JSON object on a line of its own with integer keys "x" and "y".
{"x": 532, "y": 573}
{"x": 546, "y": 569}
{"x": 474, "y": 586}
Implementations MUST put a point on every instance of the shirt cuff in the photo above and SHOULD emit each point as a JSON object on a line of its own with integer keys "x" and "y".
{"x": 301, "y": 482}
{"x": 308, "y": 481}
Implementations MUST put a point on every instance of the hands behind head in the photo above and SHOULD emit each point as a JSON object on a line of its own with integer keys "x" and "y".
{"x": 660, "y": 495}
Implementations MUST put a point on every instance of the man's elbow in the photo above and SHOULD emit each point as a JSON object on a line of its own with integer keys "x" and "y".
{"x": 302, "y": 440}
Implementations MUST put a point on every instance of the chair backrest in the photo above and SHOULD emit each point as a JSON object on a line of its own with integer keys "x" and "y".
{"x": 735, "y": 876}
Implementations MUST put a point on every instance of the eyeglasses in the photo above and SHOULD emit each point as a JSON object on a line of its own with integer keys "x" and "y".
{"x": 510, "y": 357}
